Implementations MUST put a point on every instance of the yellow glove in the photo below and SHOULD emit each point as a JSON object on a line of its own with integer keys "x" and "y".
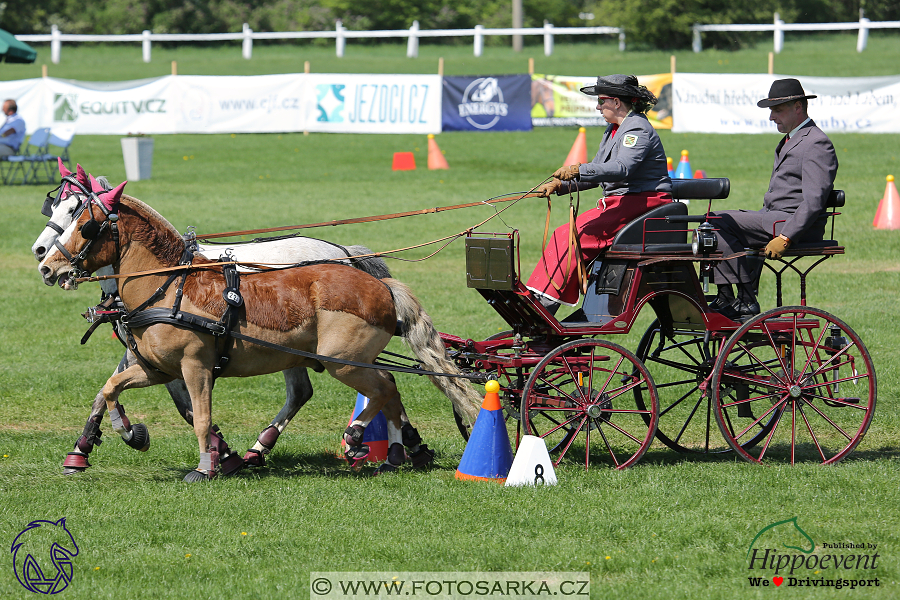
{"x": 776, "y": 248}
{"x": 567, "y": 173}
{"x": 548, "y": 188}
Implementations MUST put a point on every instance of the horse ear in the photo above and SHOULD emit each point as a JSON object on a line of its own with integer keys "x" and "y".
{"x": 63, "y": 171}
{"x": 81, "y": 176}
{"x": 95, "y": 185}
{"x": 111, "y": 198}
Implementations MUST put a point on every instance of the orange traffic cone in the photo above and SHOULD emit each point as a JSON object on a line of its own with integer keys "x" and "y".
{"x": 888, "y": 214}
{"x": 436, "y": 158}
{"x": 578, "y": 153}
{"x": 404, "y": 161}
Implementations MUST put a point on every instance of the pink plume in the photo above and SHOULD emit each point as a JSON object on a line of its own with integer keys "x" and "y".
{"x": 63, "y": 171}
{"x": 112, "y": 197}
{"x": 81, "y": 176}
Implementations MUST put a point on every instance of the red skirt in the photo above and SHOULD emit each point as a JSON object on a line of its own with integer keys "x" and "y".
{"x": 596, "y": 229}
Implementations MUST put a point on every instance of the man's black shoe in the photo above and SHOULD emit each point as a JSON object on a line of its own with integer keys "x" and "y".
{"x": 737, "y": 310}
{"x": 719, "y": 303}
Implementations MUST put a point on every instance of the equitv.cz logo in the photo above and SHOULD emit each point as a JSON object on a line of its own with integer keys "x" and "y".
{"x": 787, "y": 555}
{"x": 42, "y": 556}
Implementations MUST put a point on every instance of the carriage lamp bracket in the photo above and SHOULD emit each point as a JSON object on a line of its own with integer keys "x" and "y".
{"x": 703, "y": 243}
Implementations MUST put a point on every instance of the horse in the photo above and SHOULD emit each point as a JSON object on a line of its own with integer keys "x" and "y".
{"x": 330, "y": 310}
{"x": 68, "y": 203}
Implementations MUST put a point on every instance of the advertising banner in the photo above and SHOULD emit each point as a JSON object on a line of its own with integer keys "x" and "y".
{"x": 713, "y": 103}
{"x": 256, "y": 104}
{"x": 556, "y": 101}
{"x": 498, "y": 103}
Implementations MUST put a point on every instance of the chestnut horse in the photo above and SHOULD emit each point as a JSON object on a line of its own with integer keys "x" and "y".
{"x": 330, "y": 310}
{"x": 63, "y": 209}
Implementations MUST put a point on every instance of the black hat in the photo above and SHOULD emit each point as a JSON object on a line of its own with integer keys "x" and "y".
{"x": 783, "y": 90}
{"x": 625, "y": 86}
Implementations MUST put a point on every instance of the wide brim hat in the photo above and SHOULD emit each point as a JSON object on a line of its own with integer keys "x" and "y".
{"x": 784, "y": 90}
{"x": 625, "y": 86}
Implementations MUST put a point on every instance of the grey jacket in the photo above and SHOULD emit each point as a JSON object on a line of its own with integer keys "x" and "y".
{"x": 802, "y": 178}
{"x": 631, "y": 162}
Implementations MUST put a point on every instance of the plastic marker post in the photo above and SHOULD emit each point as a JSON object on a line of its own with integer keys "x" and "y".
{"x": 578, "y": 153}
{"x": 488, "y": 455}
{"x": 404, "y": 161}
{"x": 532, "y": 465}
{"x": 436, "y": 158}
{"x": 887, "y": 216}
{"x": 375, "y": 435}
{"x": 684, "y": 167}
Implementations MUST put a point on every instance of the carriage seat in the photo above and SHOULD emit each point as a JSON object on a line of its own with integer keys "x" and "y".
{"x": 664, "y": 229}
{"x": 835, "y": 200}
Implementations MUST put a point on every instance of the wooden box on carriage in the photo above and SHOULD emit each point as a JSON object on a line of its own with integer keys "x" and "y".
{"x": 489, "y": 263}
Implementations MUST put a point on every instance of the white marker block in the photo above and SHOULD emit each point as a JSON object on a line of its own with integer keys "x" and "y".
{"x": 532, "y": 464}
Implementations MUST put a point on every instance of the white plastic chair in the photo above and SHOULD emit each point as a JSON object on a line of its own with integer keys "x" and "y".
{"x": 61, "y": 138}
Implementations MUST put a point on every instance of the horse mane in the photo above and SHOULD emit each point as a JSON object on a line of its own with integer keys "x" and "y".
{"x": 151, "y": 229}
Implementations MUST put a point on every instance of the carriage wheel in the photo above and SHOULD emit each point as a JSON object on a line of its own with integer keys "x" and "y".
{"x": 805, "y": 371}
{"x": 681, "y": 367}
{"x": 584, "y": 389}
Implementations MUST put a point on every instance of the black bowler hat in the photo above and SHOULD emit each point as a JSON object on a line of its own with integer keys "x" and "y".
{"x": 783, "y": 90}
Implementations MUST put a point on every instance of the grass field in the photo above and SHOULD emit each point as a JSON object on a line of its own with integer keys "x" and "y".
{"x": 672, "y": 527}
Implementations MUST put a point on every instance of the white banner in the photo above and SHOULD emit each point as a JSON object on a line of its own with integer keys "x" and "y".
{"x": 258, "y": 104}
{"x": 715, "y": 103}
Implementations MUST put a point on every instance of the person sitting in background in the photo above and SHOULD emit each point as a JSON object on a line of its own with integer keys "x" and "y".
{"x": 793, "y": 207}
{"x": 630, "y": 166}
{"x": 12, "y": 134}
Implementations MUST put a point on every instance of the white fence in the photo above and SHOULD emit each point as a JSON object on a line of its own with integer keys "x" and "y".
{"x": 340, "y": 35}
{"x": 779, "y": 27}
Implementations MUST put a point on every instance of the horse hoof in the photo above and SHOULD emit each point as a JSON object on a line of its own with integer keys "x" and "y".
{"x": 385, "y": 467}
{"x": 254, "y": 458}
{"x": 195, "y": 476}
{"x": 423, "y": 458}
{"x": 76, "y": 462}
{"x": 140, "y": 437}
{"x": 232, "y": 464}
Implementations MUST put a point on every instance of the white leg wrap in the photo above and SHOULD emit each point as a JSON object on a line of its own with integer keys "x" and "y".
{"x": 205, "y": 462}
{"x": 118, "y": 425}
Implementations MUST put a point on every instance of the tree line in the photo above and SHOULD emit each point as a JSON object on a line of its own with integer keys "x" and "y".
{"x": 661, "y": 24}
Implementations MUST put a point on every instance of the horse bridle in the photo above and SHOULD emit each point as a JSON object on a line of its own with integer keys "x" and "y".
{"x": 90, "y": 230}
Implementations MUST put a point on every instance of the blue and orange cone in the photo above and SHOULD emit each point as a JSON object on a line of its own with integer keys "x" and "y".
{"x": 684, "y": 167}
{"x": 376, "y": 434}
{"x": 669, "y": 168}
{"x": 488, "y": 455}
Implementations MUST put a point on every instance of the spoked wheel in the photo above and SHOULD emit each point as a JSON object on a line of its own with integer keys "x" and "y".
{"x": 807, "y": 373}
{"x": 681, "y": 366}
{"x": 584, "y": 390}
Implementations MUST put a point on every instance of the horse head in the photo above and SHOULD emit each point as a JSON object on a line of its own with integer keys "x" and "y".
{"x": 89, "y": 242}
{"x": 30, "y": 548}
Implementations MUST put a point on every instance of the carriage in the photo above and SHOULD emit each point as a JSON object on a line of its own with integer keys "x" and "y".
{"x": 794, "y": 383}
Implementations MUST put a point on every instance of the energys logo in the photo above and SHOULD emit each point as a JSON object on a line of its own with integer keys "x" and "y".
{"x": 482, "y": 103}
{"x": 42, "y": 556}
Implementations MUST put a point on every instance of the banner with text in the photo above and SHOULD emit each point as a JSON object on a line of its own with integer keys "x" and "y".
{"x": 715, "y": 103}
{"x": 498, "y": 103}
{"x": 232, "y": 104}
{"x": 557, "y": 101}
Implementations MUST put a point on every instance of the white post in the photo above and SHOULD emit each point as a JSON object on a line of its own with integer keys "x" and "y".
{"x": 863, "y": 34}
{"x": 621, "y": 40}
{"x": 698, "y": 41}
{"x": 55, "y": 44}
{"x": 548, "y": 39}
{"x": 339, "y": 41}
{"x": 479, "y": 40}
{"x": 412, "y": 46}
{"x": 779, "y": 34}
{"x": 247, "y": 45}
{"x": 145, "y": 44}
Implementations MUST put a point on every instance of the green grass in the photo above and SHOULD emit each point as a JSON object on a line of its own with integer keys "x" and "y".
{"x": 672, "y": 527}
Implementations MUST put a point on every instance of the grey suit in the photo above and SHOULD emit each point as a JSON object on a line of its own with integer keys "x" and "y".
{"x": 631, "y": 162}
{"x": 794, "y": 205}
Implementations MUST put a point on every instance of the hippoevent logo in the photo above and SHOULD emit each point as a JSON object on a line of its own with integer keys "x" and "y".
{"x": 42, "y": 556}
{"x": 784, "y": 554}
{"x": 330, "y": 103}
{"x": 67, "y": 108}
{"x": 482, "y": 103}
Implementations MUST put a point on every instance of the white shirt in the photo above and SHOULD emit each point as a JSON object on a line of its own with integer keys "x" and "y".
{"x": 797, "y": 128}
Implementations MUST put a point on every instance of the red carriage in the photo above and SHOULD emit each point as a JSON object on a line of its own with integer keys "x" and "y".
{"x": 792, "y": 384}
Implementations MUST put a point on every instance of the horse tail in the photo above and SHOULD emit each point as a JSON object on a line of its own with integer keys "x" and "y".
{"x": 425, "y": 342}
{"x": 374, "y": 266}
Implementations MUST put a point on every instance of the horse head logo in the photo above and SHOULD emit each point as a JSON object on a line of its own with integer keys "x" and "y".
{"x": 30, "y": 548}
{"x": 785, "y": 533}
{"x": 485, "y": 90}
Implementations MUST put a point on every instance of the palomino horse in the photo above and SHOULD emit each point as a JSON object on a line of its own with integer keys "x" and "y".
{"x": 287, "y": 250}
{"x": 330, "y": 310}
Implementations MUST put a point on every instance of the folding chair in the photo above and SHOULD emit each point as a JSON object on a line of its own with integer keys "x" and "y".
{"x": 29, "y": 160}
{"x": 61, "y": 138}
